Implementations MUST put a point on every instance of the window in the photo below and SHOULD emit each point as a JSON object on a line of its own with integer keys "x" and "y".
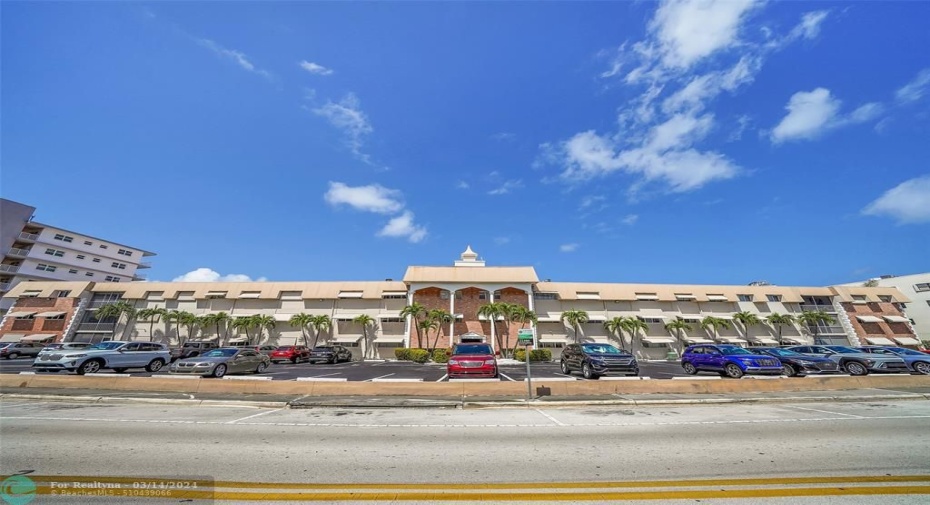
{"x": 89, "y": 274}
{"x": 684, "y": 297}
{"x": 102, "y": 246}
{"x": 55, "y": 252}
{"x": 73, "y": 271}
{"x": 922, "y": 287}
{"x": 444, "y": 294}
{"x": 46, "y": 268}
{"x": 96, "y": 260}
{"x": 745, "y": 298}
{"x": 646, "y": 296}
{"x": 482, "y": 295}
{"x": 121, "y": 266}
{"x": 31, "y": 294}
{"x": 80, "y": 256}
{"x": 773, "y": 298}
{"x": 59, "y": 317}
{"x": 111, "y": 278}
{"x": 546, "y": 296}
{"x": 88, "y": 242}
{"x": 884, "y": 298}
{"x": 497, "y": 295}
{"x": 404, "y": 297}
{"x": 124, "y": 252}
{"x": 154, "y": 295}
{"x": 289, "y": 295}
{"x": 63, "y": 238}
{"x": 63, "y": 293}
{"x": 928, "y": 302}
{"x": 858, "y": 298}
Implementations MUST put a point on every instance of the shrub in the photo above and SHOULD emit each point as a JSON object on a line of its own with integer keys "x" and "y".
{"x": 418, "y": 355}
{"x": 535, "y": 355}
{"x": 441, "y": 355}
{"x": 402, "y": 354}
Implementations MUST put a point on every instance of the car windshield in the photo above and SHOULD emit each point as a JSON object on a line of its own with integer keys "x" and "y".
{"x": 106, "y": 346}
{"x": 843, "y": 350}
{"x": 781, "y": 352}
{"x": 5, "y": 344}
{"x": 727, "y": 350}
{"x": 219, "y": 353}
{"x": 909, "y": 352}
{"x": 472, "y": 349}
{"x": 601, "y": 349}
{"x": 323, "y": 349}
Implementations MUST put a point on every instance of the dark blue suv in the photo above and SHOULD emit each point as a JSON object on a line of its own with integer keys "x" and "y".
{"x": 728, "y": 360}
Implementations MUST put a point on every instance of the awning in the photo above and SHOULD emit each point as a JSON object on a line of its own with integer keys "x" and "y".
{"x": 717, "y": 298}
{"x": 38, "y": 337}
{"x": 906, "y": 340}
{"x": 482, "y": 317}
{"x": 389, "y": 339}
{"x": 587, "y": 296}
{"x": 697, "y": 340}
{"x": 890, "y": 319}
{"x": 283, "y": 317}
{"x": 21, "y": 313}
{"x": 350, "y": 294}
{"x": 596, "y": 319}
{"x": 250, "y": 295}
{"x": 659, "y": 340}
{"x": 345, "y": 317}
{"x": 731, "y": 340}
{"x": 216, "y": 293}
{"x": 689, "y": 319}
{"x": 393, "y": 293}
{"x": 868, "y": 319}
{"x": 12, "y": 337}
{"x": 236, "y": 340}
{"x": 878, "y": 341}
{"x": 553, "y": 338}
{"x": 764, "y": 340}
{"x": 346, "y": 338}
{"x": 728, "y": 317}
{"x": 651, "y": 316}
{"x": 685, "y": 297}
{"x": 49, "y": 314}
{"x": 234, "y": 316}
{"x": 647, "y": 298}
{"x": 394, "y": 315}
{"x": 548, "y": 317}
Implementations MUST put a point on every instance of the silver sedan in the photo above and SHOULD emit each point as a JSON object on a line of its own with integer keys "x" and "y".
{"x": 222, "y": 361}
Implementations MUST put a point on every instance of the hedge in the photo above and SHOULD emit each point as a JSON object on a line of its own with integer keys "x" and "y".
{"x": 419, "y": 355}
{"x": 441, "y": 355}
{"x": 535, "y": 355}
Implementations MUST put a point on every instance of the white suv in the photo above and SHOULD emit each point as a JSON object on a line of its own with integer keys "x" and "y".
{"x": 111, "y": 354}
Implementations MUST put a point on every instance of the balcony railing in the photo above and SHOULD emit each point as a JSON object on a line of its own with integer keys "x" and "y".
{"x": 138, "y": 277}
{"x": 815, "y": 308}
{"x": 5, "y": 286}
{"x": 29, "y": 236}
{"x": 827, "y": 330}
{"x": 145, "y": 264}
{"x": 96, "y": 304}
{"x": 18, "y": 253}
{"x": 96, "y": 327}
{"x": 9, "y": 268}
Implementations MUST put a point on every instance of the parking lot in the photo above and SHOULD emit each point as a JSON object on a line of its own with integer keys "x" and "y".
{"x": 390, "y": 371}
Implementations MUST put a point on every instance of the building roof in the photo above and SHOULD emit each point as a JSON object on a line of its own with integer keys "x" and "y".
{"x": 253, "y": 290}
{"x": 871, "y": 294}
{"x": 471, "y": 274}
{"x": 675, "y": 292}
{"x": 46, "y": 289}
{"x": 59, "y": 228}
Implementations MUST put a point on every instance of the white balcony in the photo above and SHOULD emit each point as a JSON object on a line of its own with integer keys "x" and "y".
{"x": 9, "y": 268}
{"x": 5, "y": 286}
{"x": 18, "y": 253}
{"x": 31, "y": 237}
{"x": 814, "y": 308}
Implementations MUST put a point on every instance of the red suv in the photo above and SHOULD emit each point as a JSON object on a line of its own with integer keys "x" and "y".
{"x": 472, "y": 360}
{"x": 292, "y": 353}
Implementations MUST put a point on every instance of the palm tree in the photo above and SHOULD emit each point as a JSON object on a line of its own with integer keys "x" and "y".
{"x": 614, "y": 326}
{"x": 814, "y": 318}
{"x": 152, "y": 316}
{"x": 320, "y": 324}
{"x": 634, "y": 325}
{"x": 508, "y": 311}
{"x": 263, "y": 322}
{"x": 426, "y": 326}
{"x": 441, "y": 318}
{"x": 217, "y": 320}
{"x": 716, "y": 323}
{"x": 523, "y": 315}
{"x": 871, "y": 283}
{"x": 416, "y": 311}
{"x": 491, "y": 311}
{"x": 778, "y": 321}
{"x": 676, "y": 327}
{"x": 575, "y": 318}
{"x": 366, "y": 322}
{"x": 169, "y": 317}
{"x": 117, "y": 310}
{"x": 243, "y": 324}
{"x": 747, "y": 319}
{"x": 301, "y": 321}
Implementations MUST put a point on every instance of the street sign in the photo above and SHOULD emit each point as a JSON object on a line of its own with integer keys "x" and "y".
{"x": 525, "y": 335}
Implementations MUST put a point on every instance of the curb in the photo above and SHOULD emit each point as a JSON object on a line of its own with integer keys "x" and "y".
{"x": 157, "y": 401}
{"x": 693, "y": 401}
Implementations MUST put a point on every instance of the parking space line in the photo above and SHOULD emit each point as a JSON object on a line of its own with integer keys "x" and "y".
{"x": 828, "y": 412}
{"x": 570, "y": 376}
{"x": 443, "y": 378}
{"x": 507, "y": 377}
{"x": 234, "y": 421}
{"x": 556, "y": 421}
{"x": 383, "y": 376}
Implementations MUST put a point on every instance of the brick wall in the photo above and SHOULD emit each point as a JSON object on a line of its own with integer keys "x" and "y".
{"x": 41, "y": 324}
{"x": 880, "y": 329}
{"x": 467, "y": 303}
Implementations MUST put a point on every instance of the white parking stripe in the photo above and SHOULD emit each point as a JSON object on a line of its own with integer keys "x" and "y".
{"x": 569, "y": 376}
{"x": 507, "y": 377}
{"x": 827, "y": 412}
{"x": 443, "y": 378}
{"x": 325, "y": 375}
{"x": 383, "y": 376}
{"x": 556, "y": 421}
{"x": 254, "y": 415}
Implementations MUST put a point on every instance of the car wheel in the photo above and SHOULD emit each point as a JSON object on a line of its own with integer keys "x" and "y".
{"x": 733, "y": 370}
{"x": 261, "y": 367}
{"x": 689, "y": 368}
{"x": 588, "y": 372}
{"x": 565, "y": 369}
{"x": 120, "y": 370}
{"x": 922, "y": 367}
{"x": 89, "y": 366}
{"x": 295, "y": 359}
{"x": 219, "y": 371}
{"x": 12, "y": 355}
{"x": 856, "y": 368}
{"x": 155, "y": 365}
{"x": 789, "y": 370}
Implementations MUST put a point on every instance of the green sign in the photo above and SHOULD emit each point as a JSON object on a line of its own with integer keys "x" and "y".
{"x": 525, "y": 335}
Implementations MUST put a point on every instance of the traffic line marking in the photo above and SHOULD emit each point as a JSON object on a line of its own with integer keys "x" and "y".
{"x": 234, "y": 421}
{"x": 549, "y": 417}
{"x": 381, "y": 377}
{"x": 443, "y": 378}
{"x": 826, "y": 412}
{"x": 507, "y": 377}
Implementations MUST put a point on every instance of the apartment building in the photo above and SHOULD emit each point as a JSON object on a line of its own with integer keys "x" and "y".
{"x": 34, "y": 251}
{"x": 917, "y": 288}
{"x": 461, "y": 290}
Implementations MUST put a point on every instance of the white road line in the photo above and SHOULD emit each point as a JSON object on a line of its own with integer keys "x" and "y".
{"x": 564, "y": 375}
{"x": 556, "y": 421}
{"x": 5, "y": 406}
{"x": 324, "y": 375}
{"x": 254, "y": 415}
{"x": 383, "y": 376}
{"x": 507, "y": 377}
{"x": 443, "y": 378}
{"x": 827, "y": 412}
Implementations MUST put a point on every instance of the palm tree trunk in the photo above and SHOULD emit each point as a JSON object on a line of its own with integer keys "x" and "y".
{"x": 681, "y": 349}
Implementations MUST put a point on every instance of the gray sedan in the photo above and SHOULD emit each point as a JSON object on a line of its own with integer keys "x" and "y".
{"x": 222, "y": 361}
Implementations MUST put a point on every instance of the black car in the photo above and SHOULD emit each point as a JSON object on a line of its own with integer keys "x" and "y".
{"x": 795, "y": 363}
{"x": 594, "y": 360}
{"x": 329, "y": 354}
{"x": 192, "y": 349}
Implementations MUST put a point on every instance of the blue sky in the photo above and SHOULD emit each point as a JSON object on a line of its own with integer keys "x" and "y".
{"x": 682, "y": 141}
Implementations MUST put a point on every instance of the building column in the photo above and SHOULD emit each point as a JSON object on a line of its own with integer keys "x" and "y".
{"x": 532, "y": 307}
{"x": 407, "y": 319}
{"x": 493, "y": 322}
{"x": 451, "y": 311}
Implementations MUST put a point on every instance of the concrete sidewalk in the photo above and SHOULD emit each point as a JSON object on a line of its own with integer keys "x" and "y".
{"x": 413, "y": 401}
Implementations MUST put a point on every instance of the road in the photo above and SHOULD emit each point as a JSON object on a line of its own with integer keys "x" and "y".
{"x": 593, "y": 454}
{"x": 366, "y": 371}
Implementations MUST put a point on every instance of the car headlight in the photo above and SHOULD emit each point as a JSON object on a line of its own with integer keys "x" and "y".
{"x": 78, "y": 356}
{"x": 869, "y": 362}
{"x": 806, "y": 362}
{"x": 453, "y": 362}
{"x": 490, "y": 362}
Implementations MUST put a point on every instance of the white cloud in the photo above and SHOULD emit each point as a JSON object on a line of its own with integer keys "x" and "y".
{"x": 809, "y": 27}
{"x": 504, "y": 136}
{"x": 347, "y": 115}
{"x": 566, "y": 248}
{"x": 908, "y": 202}
{"x": 506, "y": 187}
{"x": 204, "y": 274}
{"x": 591, "y": 201}
{"x": 630, "y": 219}
{"x": 690, "y": 30}
{"x": 371, "y": 198}
{"x": 462, "y": 185}
{"x": 916, "y": 89}
{"x": 811, "y": 113}
{"x": 501, "y": 240}
{"x": 240, "y": 58}
{"x": 315, "y": 68}
{"x": 403, "y": 226}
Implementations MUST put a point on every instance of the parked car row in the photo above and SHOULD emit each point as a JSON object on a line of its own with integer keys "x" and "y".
{"x": 734, "y": 361}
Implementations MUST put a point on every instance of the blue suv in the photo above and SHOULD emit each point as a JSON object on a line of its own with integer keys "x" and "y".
{"x": 728, "y": 360}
